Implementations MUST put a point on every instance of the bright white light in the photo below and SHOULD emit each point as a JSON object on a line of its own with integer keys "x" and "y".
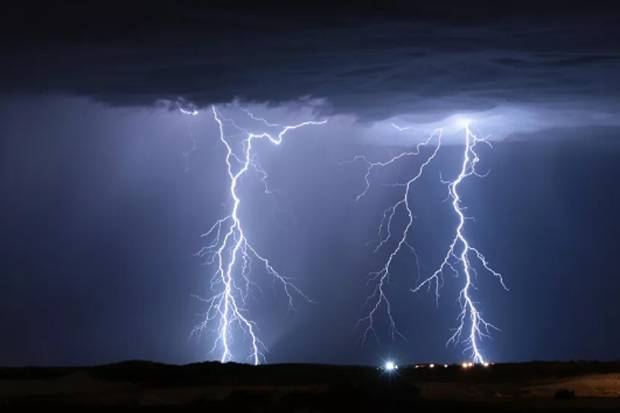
{"x": 462, "y": 122}
{"x": 445, "y": 366}
{"x": 191, "y": 112}
{"x": 431, "y": 365}
{"x": 390, "y": 366}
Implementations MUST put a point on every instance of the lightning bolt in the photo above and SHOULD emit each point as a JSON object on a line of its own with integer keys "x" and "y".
{"x": 380, "y": 278}
{"x": 460, "y": 258}
{"x": 229, "y": 249}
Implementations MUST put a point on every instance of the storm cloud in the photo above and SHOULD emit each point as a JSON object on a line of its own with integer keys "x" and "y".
{"x": 371, "y": 60}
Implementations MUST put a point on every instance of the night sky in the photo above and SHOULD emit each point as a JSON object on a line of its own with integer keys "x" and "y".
{"x": 106, "y": 188}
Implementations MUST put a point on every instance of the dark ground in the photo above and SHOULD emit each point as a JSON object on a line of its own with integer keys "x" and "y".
{"x": 545, "y": 386}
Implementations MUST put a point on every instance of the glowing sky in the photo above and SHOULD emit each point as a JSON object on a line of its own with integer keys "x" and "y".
{"x": 106, "y": 186}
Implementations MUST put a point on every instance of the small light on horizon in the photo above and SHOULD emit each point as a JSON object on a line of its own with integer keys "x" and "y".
{"x": 390, "y": 366}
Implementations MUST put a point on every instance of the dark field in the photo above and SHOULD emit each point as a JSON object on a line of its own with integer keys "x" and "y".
{"x": 572, "y": 386}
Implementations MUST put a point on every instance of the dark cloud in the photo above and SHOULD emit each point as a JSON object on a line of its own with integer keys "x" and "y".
{"x": 370, "y": 58}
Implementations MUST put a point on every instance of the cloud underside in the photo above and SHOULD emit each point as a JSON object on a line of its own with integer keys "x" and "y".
{"x": 374, "y": 69}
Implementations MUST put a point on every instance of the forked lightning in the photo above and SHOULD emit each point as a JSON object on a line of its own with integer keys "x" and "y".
{"x": 229, "y": 249}
{"x": 460, "y": 257}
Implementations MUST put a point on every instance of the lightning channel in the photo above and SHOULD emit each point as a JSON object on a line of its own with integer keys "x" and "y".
{"x": 378, "y": 298}
{"x": 228, "y": 248}
{"x": 461, "y": 259}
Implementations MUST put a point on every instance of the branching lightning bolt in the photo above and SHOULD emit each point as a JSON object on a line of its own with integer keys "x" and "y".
{"x": 380, "y": 278}
{"x": 461, "y": 254}
{"x": 229, "y": 249}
